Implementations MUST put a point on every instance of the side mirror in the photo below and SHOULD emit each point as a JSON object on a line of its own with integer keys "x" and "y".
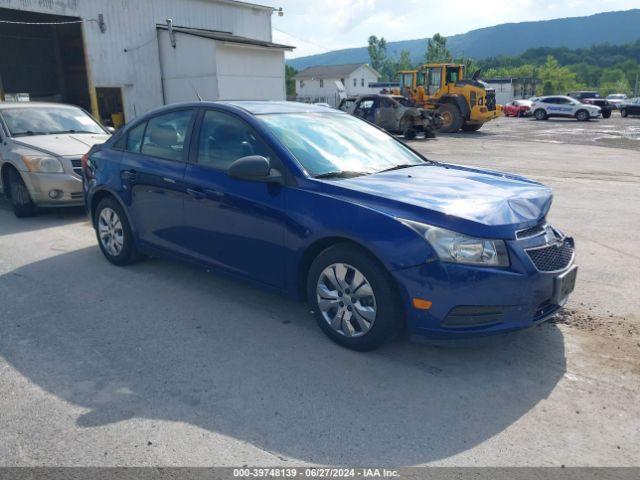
{"x": 255, "y": 168}
{"x": 111, "y": 130}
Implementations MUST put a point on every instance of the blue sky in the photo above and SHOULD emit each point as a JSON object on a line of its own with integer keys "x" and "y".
{"x": 317, "y": 26}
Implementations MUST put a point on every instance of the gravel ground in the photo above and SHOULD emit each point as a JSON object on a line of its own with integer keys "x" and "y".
{"x": 160, "y": 364}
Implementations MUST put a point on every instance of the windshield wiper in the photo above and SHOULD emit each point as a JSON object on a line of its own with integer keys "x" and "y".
{"x": 28, "y": 133}
{"x": 71, "y": 131}
{"x": 401, "y": 167}
{"x": 340, "y": 174}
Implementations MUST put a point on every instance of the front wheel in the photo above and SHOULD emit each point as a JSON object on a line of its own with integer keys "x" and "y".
{"x": 21, "y": 201}
{"x": 451, "y": 118}
{"x": 623, "y": 112}
{"x": 410, "y": 133}
{"x": 606, "y": 114}
{"x": 353, "y": 298}
{"x": 582, "y": 115}
{"x": 114, "y": 234}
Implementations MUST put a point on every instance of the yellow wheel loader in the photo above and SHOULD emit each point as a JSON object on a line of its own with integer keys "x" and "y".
{"x": 463, "y": 104}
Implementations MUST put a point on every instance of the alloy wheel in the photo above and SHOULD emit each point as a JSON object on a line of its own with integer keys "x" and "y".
{"x": 346, "y": 300}
{"x": 110, "y": 231}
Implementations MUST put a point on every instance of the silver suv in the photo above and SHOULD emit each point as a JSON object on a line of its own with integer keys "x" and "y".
{"x": 41, "y": 147}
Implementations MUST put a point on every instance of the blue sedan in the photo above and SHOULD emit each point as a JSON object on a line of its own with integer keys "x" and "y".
{"x": 329, "y": 209}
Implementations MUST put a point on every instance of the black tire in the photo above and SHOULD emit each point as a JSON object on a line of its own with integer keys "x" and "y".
{"x": 623, "y": 112}
{"x": 388, "y": 319}
{"x": 606, "y": 114}
{"x": 540, "y": 114}
{"x": 451, "y": 118}
{"x": 471, "y": 127}
{"x": 520, "y": 114}
{"x": 21, "y": 201}
{"x": 128, "y": 253}
{"x": 410, "y": 133}
{"x": 582, "y": 116}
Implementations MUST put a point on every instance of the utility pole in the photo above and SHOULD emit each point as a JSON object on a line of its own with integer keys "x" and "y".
{"x": 636, "y": 88}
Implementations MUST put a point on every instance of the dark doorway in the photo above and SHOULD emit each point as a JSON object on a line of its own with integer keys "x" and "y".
{"x": 45, "y": 61}
{"x": 110, "y": 106}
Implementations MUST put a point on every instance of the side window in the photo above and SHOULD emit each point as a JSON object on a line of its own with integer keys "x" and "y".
{"x": 549, "y": 100}
{"x": 134, "y": 138}
{"x": 355, "y": 82}
{"x": 166, "y": 134}
{"x": 321, "y": 83}
{"x": 224, "y": 138}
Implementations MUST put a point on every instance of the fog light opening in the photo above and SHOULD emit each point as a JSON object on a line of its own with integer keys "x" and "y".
{"x": 55, "y": 194}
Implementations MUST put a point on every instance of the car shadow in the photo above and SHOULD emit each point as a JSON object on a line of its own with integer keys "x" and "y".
{"x": 44, "y": 218}
{"x": 160, "y": 340}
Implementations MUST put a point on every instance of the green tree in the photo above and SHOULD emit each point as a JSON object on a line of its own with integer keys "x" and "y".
{"x": 437, "y": 50}
{"x": 404, "y": 62}
{"x": 289, "y": 73}
{"x": 556, "y": 79}
{"x": 377, "y": 52}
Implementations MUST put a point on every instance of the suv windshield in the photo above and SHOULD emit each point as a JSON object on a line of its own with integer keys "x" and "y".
{"x": 48, "y": 120}
{"x": 327, "y": 144}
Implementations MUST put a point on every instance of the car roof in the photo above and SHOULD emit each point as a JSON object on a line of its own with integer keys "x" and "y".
{"x": 26, "y": 105}
{"x": 270, "y": 107}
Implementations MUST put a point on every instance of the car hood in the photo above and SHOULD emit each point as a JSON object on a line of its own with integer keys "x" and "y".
{"x": 478, "y": 202}
{"x": 63, "y": 145}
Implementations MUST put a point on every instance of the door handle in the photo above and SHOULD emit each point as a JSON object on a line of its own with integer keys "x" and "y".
{"x": 196, "y": 193}
{"x": 128, "y": 175}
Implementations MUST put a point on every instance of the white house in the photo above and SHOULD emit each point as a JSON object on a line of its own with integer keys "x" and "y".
{"x": 121, "y": 58}
{"x": 509, "y": 89}
{"x": 327, "y": 83}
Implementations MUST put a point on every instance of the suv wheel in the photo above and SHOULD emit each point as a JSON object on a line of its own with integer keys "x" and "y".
{"x": 540, "y": 114}
{"x": 623, "y": 112}
{"x": 21, "y": 201}
{"x": 353, "y": 298}
{"x": 606, "y": 114}
{"x": 114, "y": 234}
{"x": 582, "y": 115}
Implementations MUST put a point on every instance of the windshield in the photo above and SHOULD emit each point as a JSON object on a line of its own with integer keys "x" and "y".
{"x": 48, "y": 121}
{"x": 334, "y": 143}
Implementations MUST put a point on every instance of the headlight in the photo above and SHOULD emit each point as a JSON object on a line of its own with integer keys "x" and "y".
{"x": 459, "y": 248}
{"x": 42, "y": 164}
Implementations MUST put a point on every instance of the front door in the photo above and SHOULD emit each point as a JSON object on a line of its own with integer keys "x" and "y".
{"x": 152, "y": 173}
{"x": 234, "y": 224}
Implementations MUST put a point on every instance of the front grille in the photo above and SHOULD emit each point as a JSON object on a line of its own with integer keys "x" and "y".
{"x": 77, "y": 166}
{"x": 552, "y": 258}
{"x": 531, "y": 231}
{"x": 473, "y": 316}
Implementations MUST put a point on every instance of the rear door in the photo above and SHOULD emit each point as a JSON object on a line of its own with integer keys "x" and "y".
{"x": 152, "y": 171}
{"x": 233, "y": 224}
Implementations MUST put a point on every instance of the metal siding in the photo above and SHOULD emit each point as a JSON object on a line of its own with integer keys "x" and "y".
{"x": 131, "y": 25}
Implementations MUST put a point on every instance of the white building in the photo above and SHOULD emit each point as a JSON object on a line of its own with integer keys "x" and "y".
{"x": 123, "y": 57}
{"x": 510, "y": 89}
{"x": 327, "y": 83}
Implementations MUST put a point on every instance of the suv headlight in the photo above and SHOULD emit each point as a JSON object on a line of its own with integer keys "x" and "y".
{"x": 42, "y": 164}
{"x": 456, "y": 247}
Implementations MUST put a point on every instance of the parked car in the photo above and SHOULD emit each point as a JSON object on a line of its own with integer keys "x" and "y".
{"x": 593, "y": 98}
{"x": 518, "y": 108}
{"x": 41, "y": 145}
{"x": 561, "y": 106}
{"x": 394, "y": 113}
{"x": 630, "y": 107}
{"x": 616, "y": 99}
{"x": 325, "y": 207}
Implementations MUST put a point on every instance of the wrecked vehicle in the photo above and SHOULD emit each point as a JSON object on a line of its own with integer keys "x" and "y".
{"x": 393, "y": 113}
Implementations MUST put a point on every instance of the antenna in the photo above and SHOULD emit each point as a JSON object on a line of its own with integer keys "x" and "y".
{"x": 196, "y": 92}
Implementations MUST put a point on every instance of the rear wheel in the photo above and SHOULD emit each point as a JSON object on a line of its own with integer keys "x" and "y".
{"x": 467, "y": 127}
{"x": 21, "y": 201}
{"x": 410, "y": 133}
{"x": 623, "y": 112}
{"x": 353, "y": 298}
{"x": 114, "y": 233}
{"x": 540, "y": 114}
{"x": 606, "y": 114}
{"x": 582, "y": 115}
{"x": 451, "y": 118}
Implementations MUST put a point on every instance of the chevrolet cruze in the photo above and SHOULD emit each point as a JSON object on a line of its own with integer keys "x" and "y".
{"x": 331, "y": 210}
